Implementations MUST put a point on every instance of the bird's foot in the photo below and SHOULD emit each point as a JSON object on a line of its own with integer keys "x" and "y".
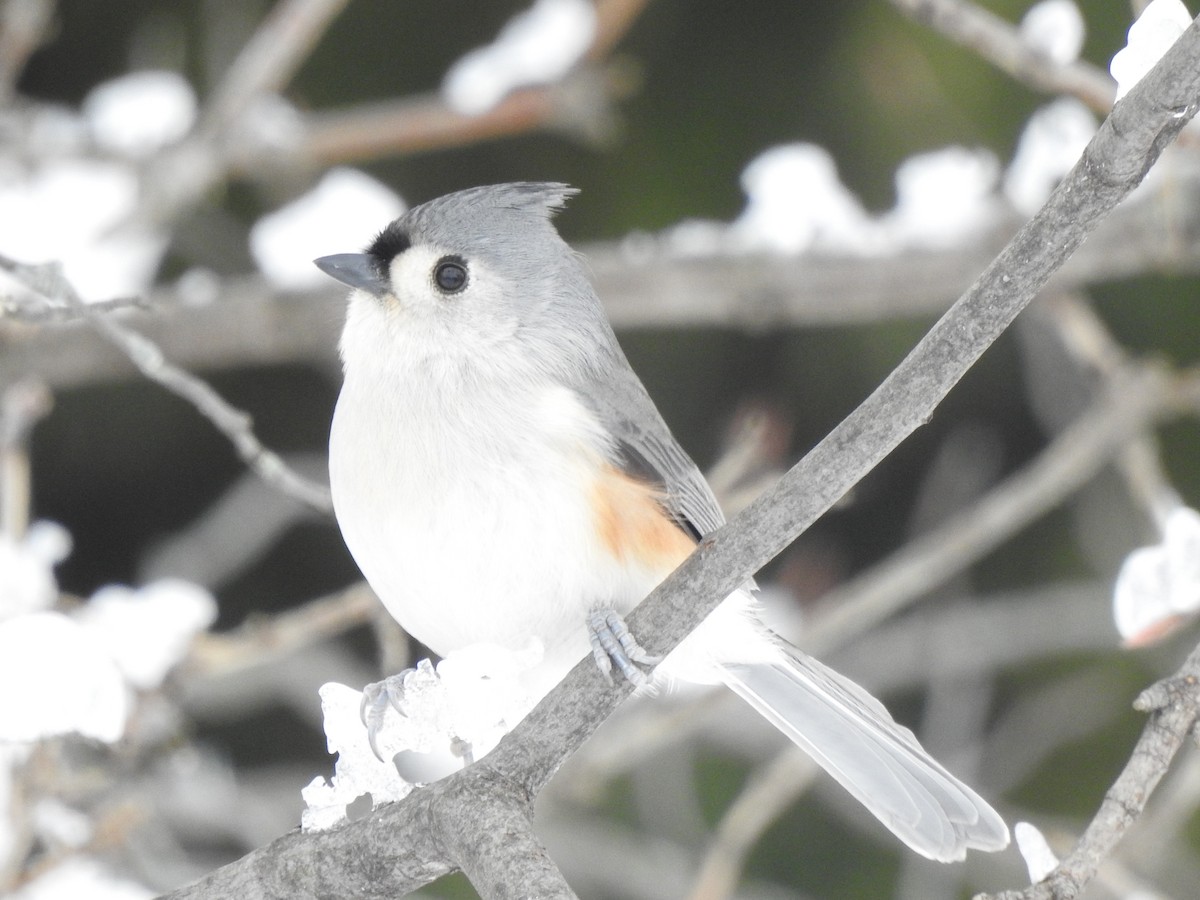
{"x": 376, "y": 698}
{"x": 614, "y": 644}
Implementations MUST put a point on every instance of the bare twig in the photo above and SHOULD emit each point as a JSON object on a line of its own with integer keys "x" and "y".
{"x": 177, "y": 178}
{"x": 1094, "y": 350}
{"x": 23, "y": 27}
{"x": 268, "y": 60}
{"x": 1163, "y": 830}
{"x": 1071, "y": 460}
{"x": 20, "y": 408}
{"x": 419, "y": 124}
{"x": 1174, "y": 705}
{"x": 262, "y": 639}
{"x": 146, "y": 356}
{"x": 1001, "y": 44}
{"x": 400, "y": 847}
{"x": 38, "y": 312}
{"x": 770, "y": 791}
{"x": 578, "y": 105}
{"x": 613, "y": 19}
{"x": 254, "y": 324}
{"x": 237, "y": 529}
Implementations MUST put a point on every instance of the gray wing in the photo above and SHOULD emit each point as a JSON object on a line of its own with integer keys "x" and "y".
{"x": 648, "y": 448}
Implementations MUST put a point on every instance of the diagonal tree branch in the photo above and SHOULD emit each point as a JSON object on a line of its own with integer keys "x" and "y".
{"x": 47, "y": 279}
{"x": 1137, "y": 400}
{"x": 402, "y": 846}
{"x": 1001, "y": 44}
{"x": 1174, "y": 707}
{"x": 267, "y": 62}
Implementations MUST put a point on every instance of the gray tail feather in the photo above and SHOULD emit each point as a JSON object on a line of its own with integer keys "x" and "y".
{"x": 881, "y": 763}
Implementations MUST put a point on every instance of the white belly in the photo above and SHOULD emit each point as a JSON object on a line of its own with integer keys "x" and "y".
{"x": 470, "y": 514}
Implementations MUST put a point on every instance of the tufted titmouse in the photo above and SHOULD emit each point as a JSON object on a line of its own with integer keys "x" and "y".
{"x": 499, "y": 472}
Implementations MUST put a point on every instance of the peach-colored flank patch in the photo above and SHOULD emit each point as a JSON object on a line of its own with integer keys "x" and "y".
{"x": 633, "y": 524}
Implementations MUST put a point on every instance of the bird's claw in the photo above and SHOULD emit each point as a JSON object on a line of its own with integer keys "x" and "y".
{"x": 614, "y": 644}
{"x": 376, "y": 699}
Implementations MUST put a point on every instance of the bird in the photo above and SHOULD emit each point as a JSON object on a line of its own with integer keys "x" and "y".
{"x": 499, "y": 473}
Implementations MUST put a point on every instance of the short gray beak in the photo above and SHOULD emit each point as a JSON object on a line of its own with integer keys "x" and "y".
{"x": 354, "y": 269}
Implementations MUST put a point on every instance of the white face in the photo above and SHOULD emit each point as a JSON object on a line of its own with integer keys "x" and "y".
{"x": 443, "y": 307}
{"x": 434, "y": 285}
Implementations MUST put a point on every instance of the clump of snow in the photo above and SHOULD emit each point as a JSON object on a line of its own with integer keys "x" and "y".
{"x": 58, "y": 131}
{"x": 537, "y": 46}
{"x": 63, "y": 674}
{"x": 198, "y": 286}
{"x": 1159, "y": 585}
{"x": 691, "y": 237}
{"x": 343, "y": 212}
{"x": 59, "y": 824}
{"x": 943, "y": 198}
{"x": 27, "y": 581}
{"x": 149, "y": 630}
{"x": 1039, "y": 858}
{"x": 68, "y": 210}
{"x": 1055, "y": 28}
{"x": 78, "y": 211}
{"x": 55, "y": 679}
{"x": 473, "y": 697}
{"x": 138, "y": 114}
{"x": 796, "y": 202}
{"x": 356, "y": 771}
{"x": 1150, "y": 36}
{"x": 1051, "y": 144}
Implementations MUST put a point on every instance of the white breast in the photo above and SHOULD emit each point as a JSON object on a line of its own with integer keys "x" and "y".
{"x": 462, "y": 491}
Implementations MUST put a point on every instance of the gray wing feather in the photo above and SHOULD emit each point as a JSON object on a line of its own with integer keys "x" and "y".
{"x": 630, "y": 416}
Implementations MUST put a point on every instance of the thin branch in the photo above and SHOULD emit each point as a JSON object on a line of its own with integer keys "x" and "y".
{"x": 1001, "y": 44}
{"x": 1094, "y": 349}
{"x": 1071, "y": 460}
{"x": 614, "y": 18}
{"x": 24, "y": 26}
{"x": 255, "y": 324}
{"x": 148, "y": 358}
{"x": 1174, "y": 705}
{"x": 263, "y": 639}
{"x": 267, "y": 62}
{"x": 1167, "y": 822}
{"x": 578, "y": 105}
{"x": 1125, "y": 147}
{"x": 38, "y": 312}
{"x": 770, "y": 791}
{"x": 415, "y": 125}
{"x": 21, "y": 406}
{"x": 176, "y": 179}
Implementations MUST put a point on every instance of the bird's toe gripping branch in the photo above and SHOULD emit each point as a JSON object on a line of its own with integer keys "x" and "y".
{"x": 376, "y": 699}
{"x": 614, "y": 644}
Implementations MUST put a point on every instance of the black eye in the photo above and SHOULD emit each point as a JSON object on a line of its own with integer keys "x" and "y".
{"x": 450, "y": 274}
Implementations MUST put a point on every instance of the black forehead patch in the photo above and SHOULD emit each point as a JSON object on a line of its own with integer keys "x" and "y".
{"x": 388, "y": 244}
